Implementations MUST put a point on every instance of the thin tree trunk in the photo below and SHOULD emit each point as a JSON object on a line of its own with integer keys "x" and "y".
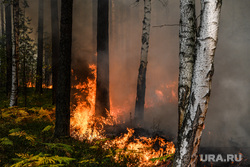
{"x": 187, "y": 35}
{"x": 8, "y": 46}
{"x": 2, "y": 18}
{"x": 94, "y": 27}
{"x": 39, "y": 79}
{"x": 191, "y": 130}
{"x": 141, "y": 81}
{"x": 2, "y": 57}
{"x": 15, "y": 60}
{"x": 62, "y": 127}
{"x": 55, "y": 45}
{"x": 46, "y": 61}
{"x": 102, "y": 86}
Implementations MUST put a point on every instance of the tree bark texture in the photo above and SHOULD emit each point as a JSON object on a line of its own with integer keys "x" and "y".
{"x": 141, "y": 81}
{"x": 55, "y": 45}
{"x": 187, "y": 35}
{"x": 193, "y": 124}
{"x": 62, "y": 126}
{"x": 15, "y": 58}
{"x": 102, "y": 86}
{"x": 8, "y": 46}
{"x": 39, "y": 71}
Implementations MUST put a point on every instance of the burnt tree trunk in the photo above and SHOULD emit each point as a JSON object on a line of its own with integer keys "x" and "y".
{"x": 39, "y": 71}
{"x": 55, "y": 46}
{"x": 94, "y": 28}
{"x": 193, "y": 123}
{"x": 15, "y": 59}
{"x": 8, "y": 46}
{"x": 62, "y": 126}
{"x": 102, "y": 86}
{"x": 141, "y": 81}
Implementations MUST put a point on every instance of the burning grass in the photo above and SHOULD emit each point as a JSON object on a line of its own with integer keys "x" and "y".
{"x": 142, "y": 151}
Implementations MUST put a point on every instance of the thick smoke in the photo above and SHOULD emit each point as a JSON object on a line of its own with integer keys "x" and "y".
{"x": 228, "y": 114}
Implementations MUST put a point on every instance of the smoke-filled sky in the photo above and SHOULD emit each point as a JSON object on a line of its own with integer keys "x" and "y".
{"x": 228, "y": 115}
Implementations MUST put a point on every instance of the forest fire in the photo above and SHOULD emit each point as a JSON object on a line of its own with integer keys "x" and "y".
{"x": 32, "y": 85}
{"x": 84, "y": 125}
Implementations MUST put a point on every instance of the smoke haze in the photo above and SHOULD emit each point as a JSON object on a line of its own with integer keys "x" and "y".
{"x": 228, "y": 115}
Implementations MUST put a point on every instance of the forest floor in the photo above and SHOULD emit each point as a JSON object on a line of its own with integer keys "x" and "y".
{"x": 26, "y": 138}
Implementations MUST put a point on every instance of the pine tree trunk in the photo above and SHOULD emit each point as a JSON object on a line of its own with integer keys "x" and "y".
{"x": 94, "y": 27}
{"x": 39, "y": 79}
{"x": 191, "y": 130}
{"x": 15, "y": 59}
{"x": 62, "y": 127}
{"x": 141, "y": 81}
{"x": 102, "y": 86}
{"x": 46, "y": 61}
{"x": 8, "y": 46}
{"x": 55, "y": 45}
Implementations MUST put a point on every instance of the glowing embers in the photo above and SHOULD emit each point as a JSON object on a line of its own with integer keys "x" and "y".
{"x": 85, "y": 126}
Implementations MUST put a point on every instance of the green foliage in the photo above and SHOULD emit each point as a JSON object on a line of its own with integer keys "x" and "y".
{"x": 164, "y": 158}
{"x": 22, "y": 134}
{"x": 60, "y": 147}
{"x": 41, "y": 160}
{"x": 5, "y": 141}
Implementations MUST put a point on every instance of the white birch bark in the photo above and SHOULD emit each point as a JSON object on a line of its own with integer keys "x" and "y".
{"x": 187, "y": 35}
{"x": 15, "y": 58}
{"x": 193, "y": 123}
{"x": 141, "y": 81}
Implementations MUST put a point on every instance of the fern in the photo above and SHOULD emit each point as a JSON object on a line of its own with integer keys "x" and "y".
{"x": 18, "y": 132}
{"x": 60, "y": 146}
{"x": 41, "y": 160}
{"x": 6, "y": 141}
{"x": 47, "y": 128}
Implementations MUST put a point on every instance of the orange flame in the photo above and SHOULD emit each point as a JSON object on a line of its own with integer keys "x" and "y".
{"x": 85, "y": 126}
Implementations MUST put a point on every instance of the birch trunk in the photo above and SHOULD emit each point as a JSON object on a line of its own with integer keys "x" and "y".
{"x": 187, "y": 34}
{"x": 191, "y": 130}
{"x": 55, "y": 46}
{"x": 62, "y": 125}
{"x": 15, "y": 59}
{"x": 141, "y": 81}
{"x": 8, "y": 46}
{"x": 39, "y": 72}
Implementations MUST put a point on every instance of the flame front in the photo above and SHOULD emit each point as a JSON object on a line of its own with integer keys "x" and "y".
{"x": 84, "y": 125}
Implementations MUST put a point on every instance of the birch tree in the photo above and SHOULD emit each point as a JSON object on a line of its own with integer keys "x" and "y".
{"x": 192, "y": 126}
{"x": 62, "y": 125}
{"x": 15, "y": 59}
{"x": 8, "y": 28}
{"x": 187, "y": 34}
{"x": 141, "y": 81}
